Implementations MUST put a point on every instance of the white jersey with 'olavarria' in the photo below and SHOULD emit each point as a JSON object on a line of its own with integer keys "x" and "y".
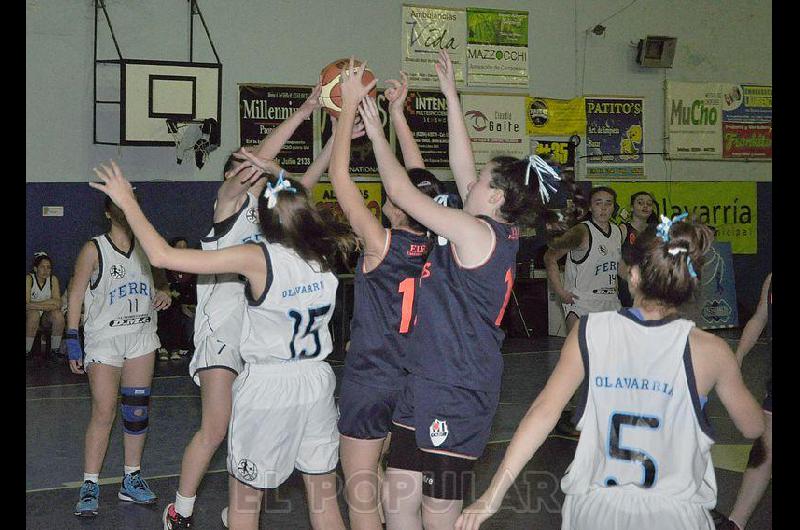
{"x": 644, "y": 453}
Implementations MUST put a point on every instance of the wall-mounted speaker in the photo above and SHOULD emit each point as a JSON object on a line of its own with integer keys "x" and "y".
{"x": 656, "y": 52}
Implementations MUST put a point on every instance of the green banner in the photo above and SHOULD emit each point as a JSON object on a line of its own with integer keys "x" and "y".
{"x": 730, "y": 207}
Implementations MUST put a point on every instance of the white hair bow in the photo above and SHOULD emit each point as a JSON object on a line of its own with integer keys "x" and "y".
{"x": 548, "y": 178}
{"x": 271, "y": 192}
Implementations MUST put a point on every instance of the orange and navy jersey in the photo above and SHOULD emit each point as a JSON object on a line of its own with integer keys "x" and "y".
{"x": 456, "y": 336}
{"x": 382, "y": 310}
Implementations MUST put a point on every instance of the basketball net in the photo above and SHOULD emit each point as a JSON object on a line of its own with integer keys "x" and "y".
{"x": 200, "y": 137}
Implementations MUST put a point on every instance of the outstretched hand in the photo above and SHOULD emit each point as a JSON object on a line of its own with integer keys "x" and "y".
{"x": 371, "y": 118}
{"x": 312, "y": 102}
{"x": 252, "y": 167}
{"x": 353, "y": 89}
{"x": 396, "y": 92}
{"x": 446, "y": 75}
{"x": 114, "y": 184}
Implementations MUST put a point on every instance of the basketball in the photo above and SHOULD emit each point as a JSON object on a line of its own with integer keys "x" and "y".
{"x": 331, "y": 97}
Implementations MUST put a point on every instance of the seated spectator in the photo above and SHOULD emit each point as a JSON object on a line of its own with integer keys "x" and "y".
{"x": 43, "y": 304}
{"x": 176, "y": 324}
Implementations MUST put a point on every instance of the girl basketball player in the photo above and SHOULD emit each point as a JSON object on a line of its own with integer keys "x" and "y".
{"x": 642, "y": 215}
{"x": 43, "y": 298}
{"x": 644, "y": 455}
{"x": 221, "y": 304}
{"x": 442, "y": 421}
{"x": 113, "y": 282}
{"x": 390, "y": 261}
{"x": 283, "y": 414}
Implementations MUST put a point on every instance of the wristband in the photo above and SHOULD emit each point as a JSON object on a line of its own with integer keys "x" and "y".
{"x": 73, "y": 343}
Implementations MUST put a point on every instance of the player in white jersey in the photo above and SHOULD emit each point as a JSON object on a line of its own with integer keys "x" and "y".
{"x": 283, "y": 415}
{"x": 43, "y": 301}
{"x": 221, "y": 306}
{"x": 593, "y": 249}
{"x": 644, "y": 455}
{"x": 113, "y": 282}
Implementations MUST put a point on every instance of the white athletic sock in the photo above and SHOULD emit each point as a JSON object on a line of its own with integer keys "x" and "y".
{"x": 132, "y": 469}
{"x": 28, "y": 344}
{"x": 93, "y": 477}
{"x": 55, "y": 342}
{"x": 184, "y": 505}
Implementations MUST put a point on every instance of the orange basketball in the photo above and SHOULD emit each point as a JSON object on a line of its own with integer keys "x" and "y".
{"x": 331, "y": 97}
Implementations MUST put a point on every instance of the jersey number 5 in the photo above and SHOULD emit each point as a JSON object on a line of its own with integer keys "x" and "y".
{"x": 310, "y": 329}
{"x": 619, "y": 420}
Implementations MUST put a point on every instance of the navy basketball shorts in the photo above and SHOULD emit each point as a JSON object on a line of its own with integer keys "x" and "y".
{"x": 365, "y": 412}
{"x": 767, "y": 404}
{"x": 449, "y": 419}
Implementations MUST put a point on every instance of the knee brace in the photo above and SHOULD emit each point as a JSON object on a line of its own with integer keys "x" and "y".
{"x": 446, "y": 477}
{"x": 135, "y": 406}
{"x": 403, "y": 450}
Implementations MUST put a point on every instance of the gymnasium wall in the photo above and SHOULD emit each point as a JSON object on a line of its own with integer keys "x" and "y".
{"x": 288, "y": 41}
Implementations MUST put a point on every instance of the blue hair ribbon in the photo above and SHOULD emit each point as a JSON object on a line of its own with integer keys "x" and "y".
{"x": 271, "y": 192}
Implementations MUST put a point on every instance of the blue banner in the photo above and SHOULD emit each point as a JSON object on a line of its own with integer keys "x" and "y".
{"x": 715, "y": 304}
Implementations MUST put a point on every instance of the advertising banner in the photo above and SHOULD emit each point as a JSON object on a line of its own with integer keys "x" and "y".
{"x": 747, "y": 121}
{"x": 555, "y": 117}
{"x": 426, "y": 115}
{"x": 730, "y": 207}
{"x": 615, "y": 137}
{"x": 426, "y": 30}
{"x": 323, "y": 197}
{"x": 714, "y": 306}
{"x": 264, "y": 107}
{"x": 694, "y": 120}
{"x": 497, "y": 47}
{"x": 496, "y": 126}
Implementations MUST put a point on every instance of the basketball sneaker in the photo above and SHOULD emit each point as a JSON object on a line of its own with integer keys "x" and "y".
{"x": 88, "y": 500}
{"x": 173, "y": 520}
{"x": 225, "y": 517}
{"x": 135, "y": 489}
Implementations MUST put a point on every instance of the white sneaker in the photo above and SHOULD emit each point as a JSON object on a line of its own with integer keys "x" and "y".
{"x": 225, "y": 517}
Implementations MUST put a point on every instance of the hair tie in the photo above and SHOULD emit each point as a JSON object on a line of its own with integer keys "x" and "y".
{"x": 548, "y": 177}
{"x": 40, "y": 253}
{"x": 674, "y": 251}
{"x": 663, "y": 228}
{"x": 271, "y": 192}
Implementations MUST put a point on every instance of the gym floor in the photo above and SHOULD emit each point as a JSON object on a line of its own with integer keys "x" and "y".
{"x": 57, "y": 410}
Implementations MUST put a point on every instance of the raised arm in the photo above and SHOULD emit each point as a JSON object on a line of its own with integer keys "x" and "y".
{"x": 321, "y": 163}
{"x": 462, "y": 162}
{"x": 365, "y": 225}
{"x": 246, "y": 260}
{"x": 540, "y": 419}
{"x": 472, "y": 238}
{"x": 396, "y": 95}
{"x": 754, "y": 327}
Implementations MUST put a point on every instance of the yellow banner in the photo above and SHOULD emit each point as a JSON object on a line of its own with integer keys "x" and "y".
{"x": 555, "y": 117}
{"x": 730, "y": 207}
{"x": 324, "y": 197}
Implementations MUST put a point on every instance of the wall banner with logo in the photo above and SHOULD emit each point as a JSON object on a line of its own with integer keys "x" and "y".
{"x": 555, "y": 117}
{"x": 426, "y": 30}
{"x": 426, "y": 114}
{"x": 714, "y": 306}
{"x": 718, "y": 121}
{"x": 615, "y": 137}
{"x": 497, "y": 47}
{"x": 496, "y": 126}
{"x": 730, "y": 207}
{"x": 559, "y": 154}
{"x": 264, "y": 107}
{"x": 324, "y": 198}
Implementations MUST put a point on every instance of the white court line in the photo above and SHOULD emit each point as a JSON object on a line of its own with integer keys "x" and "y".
{"x": 113, "y": 480}
{"x": 87, "y": 382}
{"x": 197, "y": 396}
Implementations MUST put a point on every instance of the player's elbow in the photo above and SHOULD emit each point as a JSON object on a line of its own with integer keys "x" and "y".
{"x": 752, "y": 425}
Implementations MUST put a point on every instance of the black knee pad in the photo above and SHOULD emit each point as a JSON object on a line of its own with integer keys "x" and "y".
{"x": 758, "y": 453}
{"x": 446, "y": 477}
{"x": 403, "y": 450}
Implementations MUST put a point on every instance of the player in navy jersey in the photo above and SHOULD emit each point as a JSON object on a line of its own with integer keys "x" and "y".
{"x": 758, "y": 474}
{"x": 221, "y": 304}
{"x": 442, "y": 421}
{"x": 644, "y": 455}
{"x": 391, "y": 260}
{"x": 642, "y": 215}
{"x": 283, "y": 415}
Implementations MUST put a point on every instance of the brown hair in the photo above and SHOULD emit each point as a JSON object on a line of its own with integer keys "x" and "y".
{"x": 427, "y": 183}
{"x": 295, "y": 223}
{"x": 664, "y": 266}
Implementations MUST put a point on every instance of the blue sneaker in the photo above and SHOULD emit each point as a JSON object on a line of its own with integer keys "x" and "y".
{"x": 135, "y": 489}
{"x": 88, "y": 502}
